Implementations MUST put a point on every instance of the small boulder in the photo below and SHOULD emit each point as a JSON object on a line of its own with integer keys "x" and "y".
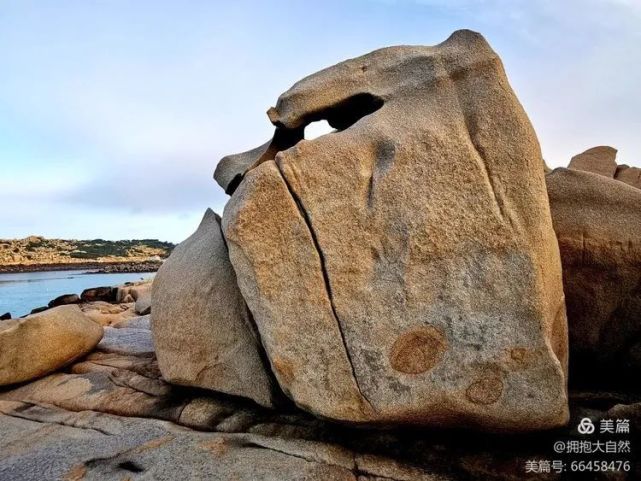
{"x": 41, "y": 343}
{"x": 142, "y": 306}
{"x": 598, "y": 160}
{"x": 201, "y": 326}
{"x": 131, "y": 292}
{"x": 106, "y": 294}
{"x": 5, "y": 316}
{"x": 36, "y": 310}
{"x": 64, "y": 300}
{"x": 629, "y": 175}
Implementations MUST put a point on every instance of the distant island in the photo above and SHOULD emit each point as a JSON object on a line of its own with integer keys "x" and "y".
{"x": 36, "y": 253}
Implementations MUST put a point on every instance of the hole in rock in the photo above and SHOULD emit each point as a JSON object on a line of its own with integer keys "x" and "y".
{"x": 131, "y": 466}
{"x": 346, "y": 113}
{"x": 339, "y": 116}
{"x": 317, "y": 129}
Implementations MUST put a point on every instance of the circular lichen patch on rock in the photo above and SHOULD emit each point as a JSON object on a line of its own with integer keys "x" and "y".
{"x": 418, "y": 350}
{"x": 487, "y": 389}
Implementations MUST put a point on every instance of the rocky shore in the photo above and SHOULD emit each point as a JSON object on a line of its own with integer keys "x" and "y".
{"x": 412, "y": 297}
{"x": 90, "y": 267}
{"x": 36, "y": 253}
{"x": 108, "y": 414}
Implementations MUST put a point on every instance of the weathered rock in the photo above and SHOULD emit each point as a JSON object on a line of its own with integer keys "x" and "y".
{"x": 629, "y": 175}
{"x": 142, "y": 306}
{"x": 131, "y": 291}
{"x": 105, "y": 294}
{"x": 126, "y": 340}
{"x": 64, "y": 300}
{"x": 107, "y": 314}
{"x": 37, "y": 310}
{"x": 105, "y": 392}
{"x": 598, "y": 160}
{"x": 48, "y": 443}
{"x": 197, "y": 304}
{"x": 128, "y": 383}
{"x": 40, "y": 441}
{"x": 598, "y": 224}
{"x": 128, "y": 299}
{"x": 381, "y": 262}
{"x": 230, "y": 170}
{"x": 142, "y": 322}
{"x": 39, "y": 344}
{"x": 6, "y": 316}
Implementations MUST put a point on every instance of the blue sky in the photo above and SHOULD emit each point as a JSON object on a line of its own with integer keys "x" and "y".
{"x": 113, "y": 114}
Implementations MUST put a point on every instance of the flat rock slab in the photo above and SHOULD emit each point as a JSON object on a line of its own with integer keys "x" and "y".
{"x": 44, "y": 442}
{"x": 90, "y": 446}
{"x": 142, "y": 322}
{"x": 126, "y": 340}
{"x": 112, "y": 417}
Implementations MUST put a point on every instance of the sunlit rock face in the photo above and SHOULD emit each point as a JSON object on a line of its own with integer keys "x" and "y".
{"x": 404, "y": 269}
{"x": 602, "y": 160}
{"x": 202, "y": 331}
{"x": 598, "y": 160}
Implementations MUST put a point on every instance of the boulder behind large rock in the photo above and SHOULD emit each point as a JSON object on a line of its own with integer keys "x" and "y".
{"x": 200, "y": 323}
{"x": 404, "y": 269}
{"x": 598, "y": 224}
{"x": 629, "y": 175}
{"x": 598, "y": 160}
{"x": 36, "y": 345}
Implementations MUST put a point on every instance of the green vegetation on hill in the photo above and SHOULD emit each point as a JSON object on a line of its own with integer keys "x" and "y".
{"x": 38, "y": 250}
{"x": 94, "y": 249}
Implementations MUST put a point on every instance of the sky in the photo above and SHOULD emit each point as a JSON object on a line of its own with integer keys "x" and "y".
{"x": 113, "y": 114}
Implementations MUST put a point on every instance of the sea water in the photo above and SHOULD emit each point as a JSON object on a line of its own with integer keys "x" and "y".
{"x": 23, "y": 291}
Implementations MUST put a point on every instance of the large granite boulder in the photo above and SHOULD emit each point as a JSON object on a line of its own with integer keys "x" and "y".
{"x": 201, "y": 326}
{"x": 598, "y": 224}
{"x": 598, "y": 160}
{"x": 36, "y": 345}
{"x": 404, "y": 268}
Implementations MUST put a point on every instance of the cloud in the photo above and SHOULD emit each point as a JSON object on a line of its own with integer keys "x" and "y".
{"x": 116, "y": 112}
{"x": 165, "y": 185}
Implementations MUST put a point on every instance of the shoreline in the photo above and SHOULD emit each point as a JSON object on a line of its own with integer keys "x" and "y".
{"x": 91, "y": 267}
